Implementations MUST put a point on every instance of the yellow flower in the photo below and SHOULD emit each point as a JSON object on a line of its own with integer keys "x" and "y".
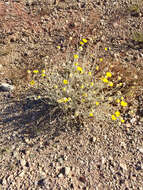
{"x": 81, "y": 43}
{"x": 65, "y": 81}
{"x": 81, "y": 48}
{"x": 92, "y": 83}
{"x": 35, "y": 71}
{"x": 85, "y": 94}
{"x": 69, "y": 99}
{"x": 76, "y": 56}
{"x": 65, "y": 99}
{"x": 43, "y": 71}
{"x": 32, "y": 82}
{"x": 97, "y": 103}
{"x": 124, "y": 104}
{"x": 79, "y": 69}
{"x": 89, "y": 73}
{"x": 76, "y": 64}
{"x": 91, "y": 114}
{"x": 122, "y": 98}
{"x": 38, "y": 97}
{"x": 59, "y": 47}
{"x": 43, "y": 75}
{"x": 122, "y": 120}
{"x": 113, "y": 117}
{"x": 118, "y": 100}
{"x": 106, "y": 49}
{"x": 56, "y": 86}
{"x": 64, "y": 89}
{"x": 120, "y": 84}
{"x": 104, "y": 80}
{"x": 84, "y": 40}
{"x": 97, "y": 68}
{"x": 110, "y": 83}
{"x": 82, "y": 86}
{"x": 82, "y": 100}
{"x": 108, "y": 74}
{"x": 101, "y": 59}
{"x": 28, "y": 71}
{"x": 117, "y": 113}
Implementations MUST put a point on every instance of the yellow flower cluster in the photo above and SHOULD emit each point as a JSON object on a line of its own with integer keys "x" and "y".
{"x": 64, "y": 100}
{"x": 122, "y": 102}
{"x": 83, "y": 41}
{"x": 105, "y": 79}
{"x": 117, "y": 116}
{"x": 42, "y": 72}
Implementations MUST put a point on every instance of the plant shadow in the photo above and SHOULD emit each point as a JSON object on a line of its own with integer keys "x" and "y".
{"x": 32, "y": 118}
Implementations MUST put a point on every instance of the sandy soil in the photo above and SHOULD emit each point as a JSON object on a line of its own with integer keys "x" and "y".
{"x": 38, "y": 151}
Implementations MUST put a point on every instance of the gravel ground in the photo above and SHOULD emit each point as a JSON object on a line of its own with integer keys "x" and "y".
{"x": 93, "y": 156}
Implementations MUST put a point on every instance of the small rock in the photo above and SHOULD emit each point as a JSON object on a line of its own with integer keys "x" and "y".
{"x": 67, "y": 170}
{"x": 41, "y": 182}
{"x": 94, "y": 139}
{"x": 60, "y": 175}
{"x": 60, "y": 160}
{"x": 15, "y": 154}
{"x": 123, "y": 144}
{"x": 22, "y": 173}
{"x": 133, "y": 120}
{"x": 103, "y": 160}
{"x": 123, "y": 166}
{"x": 23, "y": 162}
{"x": 6, "y": 87}
{"x": 4, "y": 182}
{"x": 1, "y": 66}
{"x": 82, "y": 179}
{"x": 140, "y": 149}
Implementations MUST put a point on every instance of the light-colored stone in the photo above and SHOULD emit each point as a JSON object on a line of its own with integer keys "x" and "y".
{"x": 60, "y": 175}
{"x": 67, "y": 170}
{"x": 23, "y": 162}
{"x": 140, "y": 149}
{"x": 22, "y": 174}
{"x": 123, "y": 166}
{"x": 6, "y": 87}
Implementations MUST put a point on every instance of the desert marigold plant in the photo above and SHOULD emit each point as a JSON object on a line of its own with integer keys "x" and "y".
{"x": 78, "y": 90}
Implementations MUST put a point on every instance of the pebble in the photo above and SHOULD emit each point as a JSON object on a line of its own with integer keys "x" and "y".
{"x": 67, "y": 170}
{"x": 60, "y": 160}
{"x": 23, "y": 162}
{"x": 123, "y": 166}
{"x": 22, "y": 173}
{"x": 140, "y": 149}
{"x": 6, "y": 87}
{"x": 60, "y": 175}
